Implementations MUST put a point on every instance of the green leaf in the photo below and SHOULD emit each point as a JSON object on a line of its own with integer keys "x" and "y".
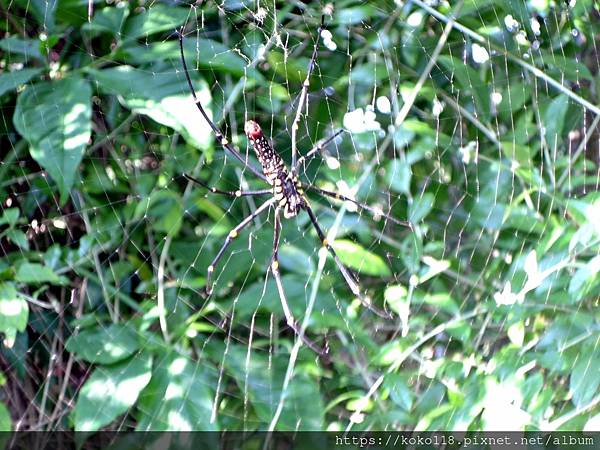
{"x": 30, "y": 48}
{"x": 19, "y": 238}
{"x": 355, "y": 14}
{"x": 178, "y": 398}
{"x": 554, "y": 119}
{"x": 10, "y": 217}
{"x": 585, "y": 377}
{"x": 14, "y": 310}
{"x": 199, "y": 53}
{"x": 360, "y": 259}
{"x": 261, "y": 380}
{"x": 5, "y": 420}
{"x": 104, "y": 345}
{"x": 55, "y": 118}
{"x": 469, "y": 80}
{"x": 164, "y": 97}
{"x": 398, "y": 176}
{"x": 157, "y": 18}
{"x": 164, "y": 210}
{"x": 107, "y": 20}
{"x": 420, "y": 207}
{"x": 584, "y": 282}
{"x": 518, "y": 153}
{"x": 400, "y": 392}
{"x": 33, "y": 273}
{"x": 11, "y": 80}
{"x": 111, "y": 391}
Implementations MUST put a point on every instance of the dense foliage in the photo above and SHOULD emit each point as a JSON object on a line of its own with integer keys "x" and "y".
{"x": 481, "y": 132}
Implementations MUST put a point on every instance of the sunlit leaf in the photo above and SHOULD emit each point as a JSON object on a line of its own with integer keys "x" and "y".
{"x": 111, "y": 391}
{"x": 104, "y": 344}
{"x": 55, "y": 118}
{"x": 14, "y": 310}
{"x": 178, "y": 397}
{"x": 165, "y": 97}
{"x": 360, "y": 259}
{"x": 32, "y": 273}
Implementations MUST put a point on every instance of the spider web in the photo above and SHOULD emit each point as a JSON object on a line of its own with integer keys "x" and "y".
{"x": 470, "y": 120}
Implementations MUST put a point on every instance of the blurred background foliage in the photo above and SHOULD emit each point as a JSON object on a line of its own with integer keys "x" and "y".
{"x": 494, "y": 162}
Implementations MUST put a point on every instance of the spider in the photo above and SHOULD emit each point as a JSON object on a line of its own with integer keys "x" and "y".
{"x": 287, "y": 192}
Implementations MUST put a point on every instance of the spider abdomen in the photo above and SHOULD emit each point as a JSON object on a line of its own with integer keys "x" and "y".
{"x": 286, "y": 188}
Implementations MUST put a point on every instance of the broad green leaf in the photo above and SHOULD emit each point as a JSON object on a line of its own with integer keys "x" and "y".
{"x": 14, "y": 310}
{"x": 104, "y": 345}
{"x": 585, "y": 376}
{"x": 19, "y": 238}
{"x": 163, "y": 210}
{"x": 111, "y": 391}
{"x": 568, "y": 67}
{"x": 165, "y": 97}
{"x": 355, "y": 14}
{"x": 5, "y": 420}
{"x": 29, "y": 48}
{"x": 259, "y": 296}
{"x": 107, "y": 20}
{"x": 290, "y": 69}
{"x": 261, "y": 379}
{"x": 199, "y": 53}
{"x": 518, "y": 153}
{"x": 55, "y": 118}
{"x": 360, "y": 259}
{"x": 585, "y": 282}
{"x": 400, "y": 391}
{"x": 470, "y": 81}
{"x": 554, "y": 120}
{"x": 398, "y": 176}
{"x": 420, "y": 207}
{"x": 10, "y": 217}
{"x": 179, "y": 397}
{"x": 9, "y": 81}
{"x": 158, "y": 17}
{"x": 33, "y": 273}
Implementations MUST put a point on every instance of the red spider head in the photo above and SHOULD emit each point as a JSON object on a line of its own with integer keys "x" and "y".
{"x": 252, "y": 130}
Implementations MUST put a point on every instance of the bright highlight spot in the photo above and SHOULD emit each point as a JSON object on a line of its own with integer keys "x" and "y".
{"x": 480, "y": 54}
{"x": 437, "y": 108}
{"x": 383, "y": 104}
{"x": 359, "y": 121}
{"x": 496, "y": 98}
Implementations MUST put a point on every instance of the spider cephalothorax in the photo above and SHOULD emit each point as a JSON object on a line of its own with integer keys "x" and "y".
{"x": 286, "y": 187}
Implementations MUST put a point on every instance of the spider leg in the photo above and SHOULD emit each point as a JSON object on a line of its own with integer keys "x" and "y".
{"x": 282, "y": 297}
{"x": 218, "y": 134}
{"x": 319, "y": 146}
{"x": 304, "y": 94}
{"x": 237, "y": 193}
{"x": 351, "y": 280}
{"x": 230, "y": 237}
{"x": 364, "y": 206}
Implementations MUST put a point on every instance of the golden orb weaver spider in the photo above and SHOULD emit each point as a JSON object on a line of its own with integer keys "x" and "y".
{"x": 288, "y": 193}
